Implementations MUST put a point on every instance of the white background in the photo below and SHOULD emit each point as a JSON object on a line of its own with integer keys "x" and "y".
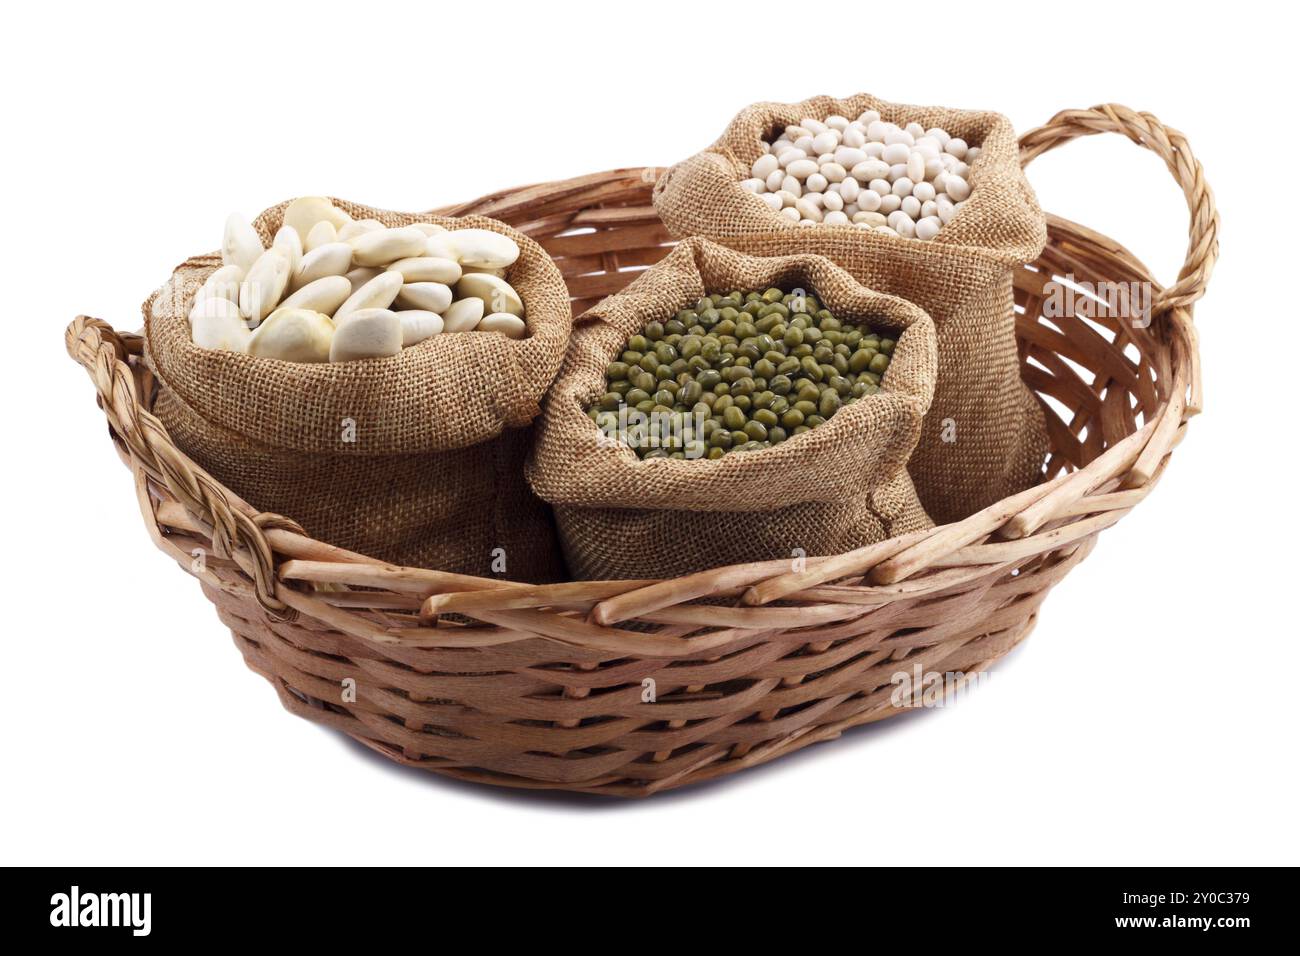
{"x": 1151, "y": 717}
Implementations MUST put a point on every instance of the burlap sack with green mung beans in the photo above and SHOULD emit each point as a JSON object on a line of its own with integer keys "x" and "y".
{"x": 836, "y": 487}
{"x": 985, "y": 436}
{"x": 433, "y": 477}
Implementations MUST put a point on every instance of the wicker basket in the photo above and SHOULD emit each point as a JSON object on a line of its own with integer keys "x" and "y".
{"x": 549, "y": 686}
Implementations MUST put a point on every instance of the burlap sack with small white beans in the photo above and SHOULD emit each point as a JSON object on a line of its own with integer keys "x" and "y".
{"x": 985, "y": 436}
{"x": 415, "y": 459}
{"x": 836, "y": 487}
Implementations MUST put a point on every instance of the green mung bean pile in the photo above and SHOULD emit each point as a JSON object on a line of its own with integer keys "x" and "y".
{"x": 755, "y": 368}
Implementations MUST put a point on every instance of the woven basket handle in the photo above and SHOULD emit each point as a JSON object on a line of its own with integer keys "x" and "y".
{"x": 1171, "y": 146}
{"x": 237, "y": 532}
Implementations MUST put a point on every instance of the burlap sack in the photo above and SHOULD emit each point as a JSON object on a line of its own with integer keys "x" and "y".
{"x": 839, "y": 486}
{"x": 984, "y": 436}
{"x": 432, "y": 475}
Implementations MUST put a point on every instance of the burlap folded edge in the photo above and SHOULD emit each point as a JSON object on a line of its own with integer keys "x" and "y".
{"x": 914, "y": 356}
{"x": 506, "y": 378}
{"x": 999, "y": 190}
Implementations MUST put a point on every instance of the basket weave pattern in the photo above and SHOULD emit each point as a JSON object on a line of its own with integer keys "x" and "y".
{"x": 547, "y": 686}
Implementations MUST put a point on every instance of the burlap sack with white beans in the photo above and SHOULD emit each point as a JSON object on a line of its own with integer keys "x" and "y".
{"x": 415, "y": 459}
{"x": 985, "y": 436}
{"x": 836, "y": 487}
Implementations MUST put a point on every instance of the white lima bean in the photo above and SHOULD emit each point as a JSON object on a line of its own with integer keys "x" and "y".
{"x": 361, "y": 275}
{"x": 378, "y": 293}
{"x": 216, "y": 323}
{"x": 288, "y": 243}
{"x": 293, "y": 335}
{"x": 483, "y": 248}
{"x": 331, "y": 259}
{"x": 321, "y": 234}
{"x": 916, "y": 177}
{"x": 497, "y": 295}
{"x": 463, "y": 315}
{"x": 330, "y": 288}
{"x": 427, "y": 269}
{"x": 324, "y": 295}
{"x": 223, "y": 284}
{"x": 367, "y": 333}
{"x": 418, "y": 325}
{"x": 263, "y": 286}
{"x": 425, "y": 296}
{"x": 387, "y": 245}
{"x": 305, "y": 213}
{"x": 359, "y": 227}
{"x": 511, "y": 326}
{"x": 241, "y": 246}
